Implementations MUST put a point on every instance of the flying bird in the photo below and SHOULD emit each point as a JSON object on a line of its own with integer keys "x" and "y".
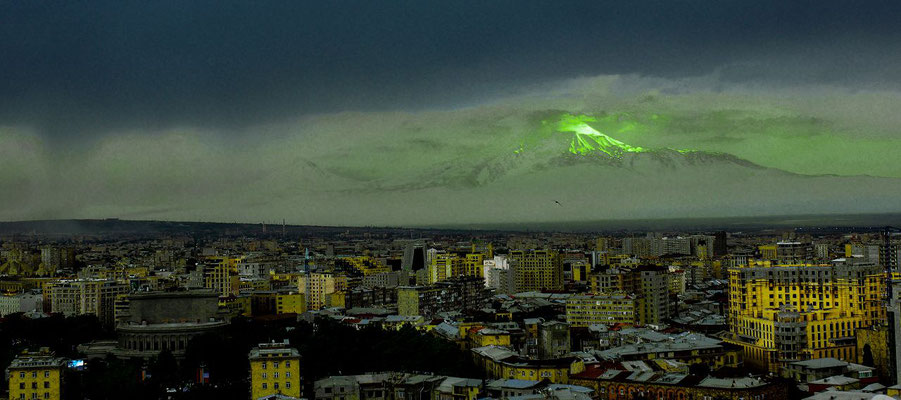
{"x": 558, "y": 203}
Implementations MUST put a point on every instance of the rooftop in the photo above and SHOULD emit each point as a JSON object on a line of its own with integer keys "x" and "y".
{"x": 820, "y": 363}
{"x": 735, "y": 383}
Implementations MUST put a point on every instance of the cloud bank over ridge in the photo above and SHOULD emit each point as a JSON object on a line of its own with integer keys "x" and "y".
{"x": 461, "y": 165}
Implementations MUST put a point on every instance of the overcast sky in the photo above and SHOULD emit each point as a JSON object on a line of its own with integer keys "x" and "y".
{"x": 78, "y": 78}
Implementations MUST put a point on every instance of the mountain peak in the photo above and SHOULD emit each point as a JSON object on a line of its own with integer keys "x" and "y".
{"x": 587, "y": 140}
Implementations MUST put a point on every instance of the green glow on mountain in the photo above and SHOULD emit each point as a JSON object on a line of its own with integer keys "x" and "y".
{"x": 587, "y": 140}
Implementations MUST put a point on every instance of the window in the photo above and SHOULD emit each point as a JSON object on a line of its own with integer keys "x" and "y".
{"x": 288, "y": 385}
{"x": 287, "y": 364}
{"x": 46, "y": 385}
{"x": 275, "y": 364}
{"x": 21, "y": 385}
{"x": 21, "y": 375}
{"x": 46, "y": 374}
{"x": 47, "y": 395}
{"x": 263, "y": 365}
{"x": 288, "y": 374}
{"x": 265, "y": 386}
{"x": 275, "y": 385}
{"x": 34, "y": 374}
{"x": 264, "y": 375}
{"x": 34, "y": 385}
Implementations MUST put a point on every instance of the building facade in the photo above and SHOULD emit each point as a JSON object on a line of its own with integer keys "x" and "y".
{"x": 586, "y": 310}
{"x": 536, "y": 270}
{"x": 274, "y": 369}
{"x": 36, "y": 375}
{"x": 79, "y": 297}
{"x": 781, "y": 314}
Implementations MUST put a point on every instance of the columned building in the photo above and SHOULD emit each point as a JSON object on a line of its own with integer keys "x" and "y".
{"x": 157, "y": 321}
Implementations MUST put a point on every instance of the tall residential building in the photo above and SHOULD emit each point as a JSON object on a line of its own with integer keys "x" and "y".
{"x": 455, "y": 294}
{"x": 720, "y": 244}
{"x": 653, "y": 287}
{"x": 317, "y": 286}
{"x": 781, "y": 313}
{"x": 786, "y": 252}
{"x": 501, "y": 280}
{"x": 649, "y": 284}
{"x": 78, "y": 297}
{"x": 55, "y": 258}
{"x": 822, "y": 251}
{"x": 576, "y": 267}
{"x": 414, "y": 257}
{"x": 536, "y": 270}
{"x": 473, "y": 264}
{"x": 489, "y": 267}
{"x": 274, "y": 370}
{"x": 221, "y": 275}
{"x": 444, "y": 266}
{"x": 35, "y": 375}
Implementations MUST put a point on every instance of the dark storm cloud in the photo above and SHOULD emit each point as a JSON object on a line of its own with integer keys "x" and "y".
{"x": 84, "y": 68}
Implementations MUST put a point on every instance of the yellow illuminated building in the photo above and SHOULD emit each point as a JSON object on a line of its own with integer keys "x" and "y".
{"x": 785, "y": 313}
{"x": 444, "y": 266}
{"x": 473, "y": 265}
{"x": 536, "y": 270}
{"x": 448, "y": 265}
{"x": 767, "y": 252}
{"x": 650, "y": 284}
{"x": 221, "y": 274}
{"x": 367, "y": 265}
{"x": 253, "y": 284}
{"x": 288, "y": 303}
{"x": 490, "y": 337}
{"x": 283, "y": 279}
{"x": 500, "y": 362}
{"x": 274, "y": 369}
{"x": 278, "y": 302}
{"x": 236, "y": 305}
{"x": 581, "y": 271}
{"x": 36, "y": 375}
{"x": 318, "y": 286}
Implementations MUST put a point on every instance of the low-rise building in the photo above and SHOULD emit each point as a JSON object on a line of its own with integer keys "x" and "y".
{"x": 390, "y": 386}
{"x": 619, "y": 383}
{"x": 689, "y": 348}
{"x": 500, "y": 362}
{"x": 36, "y": 375}
{"x": 274, "y": 370}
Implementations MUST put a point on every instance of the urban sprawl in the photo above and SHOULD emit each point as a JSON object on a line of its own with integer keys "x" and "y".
{"x": 363, "y": 314}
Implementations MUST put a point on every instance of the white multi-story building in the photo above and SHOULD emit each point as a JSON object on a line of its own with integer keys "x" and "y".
{"x": 80, "y": 297}
{"x": 21, "y": 302}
